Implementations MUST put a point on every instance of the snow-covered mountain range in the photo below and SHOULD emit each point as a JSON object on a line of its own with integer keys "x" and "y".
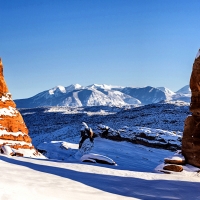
{"x": 102, "y": 95}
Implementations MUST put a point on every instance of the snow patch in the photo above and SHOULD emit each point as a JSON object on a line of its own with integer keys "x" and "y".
{"x": 10, "y": 111}
{"x": 6, "y": 97}
{"x": 57, "y": 88}
{"x": 30, "y": 153}
{"x": 103, "y": 86}
{"x": 10, "y": 142}
{"x": 4, "y": 132}
{"x": 166, "y": 90}
{"x": 176, "y": 157}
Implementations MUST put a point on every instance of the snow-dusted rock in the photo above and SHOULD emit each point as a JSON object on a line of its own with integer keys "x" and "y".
{"x": 64, "y": 145}
{"x": 86, "y": 146}
{"x": 176, "y": 163}
{"x": 91, "y": 157}
{"x": 175, "y": 168}
{"x": 141, "y": 135}
{"x": 7, "y": 150}
{"x": 107, "y": 132}
{"x": 177, "y": 158}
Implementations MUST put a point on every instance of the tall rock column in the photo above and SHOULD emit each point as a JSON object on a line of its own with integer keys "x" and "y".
{"x": 191, "y": 134}
{"x": 13, "y": 130}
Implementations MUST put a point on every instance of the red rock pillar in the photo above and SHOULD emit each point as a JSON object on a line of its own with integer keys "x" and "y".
{"x": 191, "y": 134}
{"x": 3, "y": 86}
{"x": 13, "y": 130}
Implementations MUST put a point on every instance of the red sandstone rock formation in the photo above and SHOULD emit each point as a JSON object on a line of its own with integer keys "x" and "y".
{"x": 175, "y": 168}
{"x": 191, "y": 134}
{"x": 13, "y": 130}
{"x": 3, "y": 86}
{"x": 195, "y": 86}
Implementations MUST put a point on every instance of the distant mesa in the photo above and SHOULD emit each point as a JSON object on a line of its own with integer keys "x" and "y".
{"x": 13, "y": 130}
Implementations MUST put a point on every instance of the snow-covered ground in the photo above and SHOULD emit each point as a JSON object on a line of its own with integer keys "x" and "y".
{"x": 168, "y": 116}
{"x": 55, "y": 131}
{"x": 127, "y": 156}
{"x": 132, "y": 178}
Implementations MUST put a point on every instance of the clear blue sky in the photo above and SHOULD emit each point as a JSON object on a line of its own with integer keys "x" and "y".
{"x": 44, "y": 43}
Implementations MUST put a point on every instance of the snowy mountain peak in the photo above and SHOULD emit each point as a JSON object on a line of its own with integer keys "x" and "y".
{"x": 104, "y": 86}
{"x": 58, "y": 88}
{"x": 184, "y": 90}
{"x": 166, "y": 90}
{"x": 73, "y": 87}
{"x": 76, "y": 86}
{"x": 198, "y": 54}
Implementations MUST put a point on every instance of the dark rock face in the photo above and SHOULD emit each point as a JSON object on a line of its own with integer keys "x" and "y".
{"x": 191, "y": 134}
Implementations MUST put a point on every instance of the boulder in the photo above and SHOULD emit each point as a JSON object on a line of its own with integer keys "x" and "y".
{"x": 174, "y": 168}
{"x": 7, "y": 150}
{"x": 86, "y": 147}
{"x": 174, "y": 161}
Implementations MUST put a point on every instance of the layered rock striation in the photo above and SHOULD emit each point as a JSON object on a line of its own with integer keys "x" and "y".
{"x": 191, "y": 134}
{"x": 13, "y": 130}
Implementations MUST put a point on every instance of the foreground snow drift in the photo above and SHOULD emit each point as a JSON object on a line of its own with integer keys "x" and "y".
{"x": 128, "y": 156}
{"x": 68, "y": 178}
{"x": 25, "y": 178}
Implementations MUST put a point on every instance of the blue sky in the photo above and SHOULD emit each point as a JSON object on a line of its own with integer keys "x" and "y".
{"x": 136, "y": 43}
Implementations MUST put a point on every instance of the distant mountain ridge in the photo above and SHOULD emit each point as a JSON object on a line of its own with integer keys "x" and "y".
{"x": 102, "y": 95}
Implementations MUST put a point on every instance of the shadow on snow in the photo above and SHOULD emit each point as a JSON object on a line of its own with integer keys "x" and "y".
{"x": 125, "y": 186}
